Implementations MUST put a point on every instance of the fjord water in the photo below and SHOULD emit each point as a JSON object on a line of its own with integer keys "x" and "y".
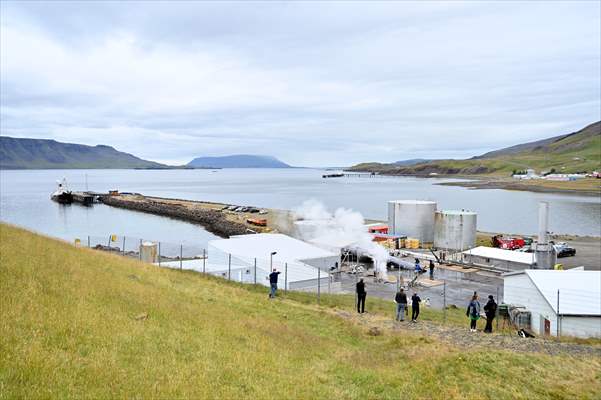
{"x": 25, "y": 200}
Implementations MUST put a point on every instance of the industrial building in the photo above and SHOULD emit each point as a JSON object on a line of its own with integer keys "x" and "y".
{"x": 455, "y": 230}
{"x": 301, "y": 263}
{"x": 413, "y": 219}
{"x": 504, "y": 260}
{"x": 560, "y": 302}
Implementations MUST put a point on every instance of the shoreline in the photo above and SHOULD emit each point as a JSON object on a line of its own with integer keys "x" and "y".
{"x": 480, "y": 183}
{"x": 477, "y": 182}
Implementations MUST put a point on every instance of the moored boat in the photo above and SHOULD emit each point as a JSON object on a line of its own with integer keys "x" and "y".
{"x": 62, "y": 194}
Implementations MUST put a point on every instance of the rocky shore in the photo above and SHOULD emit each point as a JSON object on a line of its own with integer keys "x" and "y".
{"x": 213, "y": 220}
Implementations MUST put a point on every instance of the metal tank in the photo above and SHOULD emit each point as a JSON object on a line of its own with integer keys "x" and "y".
{"x": 545, "y": 252}
{"x": 412, "y": 218}
{"x": 455, "y": 230}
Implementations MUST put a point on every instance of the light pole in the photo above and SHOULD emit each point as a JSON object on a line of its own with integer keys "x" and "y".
{"x": 273, "y": 253}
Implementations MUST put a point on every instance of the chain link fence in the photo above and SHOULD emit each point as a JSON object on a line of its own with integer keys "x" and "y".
{"x": 548, "y": 314}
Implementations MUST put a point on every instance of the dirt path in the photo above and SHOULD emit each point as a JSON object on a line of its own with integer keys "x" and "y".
{"x": 461, "y": 337}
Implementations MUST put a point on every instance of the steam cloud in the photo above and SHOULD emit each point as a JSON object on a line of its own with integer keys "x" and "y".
{"x": 344, "y": 224}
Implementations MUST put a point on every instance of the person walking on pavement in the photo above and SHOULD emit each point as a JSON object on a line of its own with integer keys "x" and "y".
{"x": 361, "y": 295}
{"x": 415, "y": 300}
{"x": 273, "y": 282}
{"x": 401, "y": 304}
{"x": 473, "y": 312}
{"x": 431, "y": 270}
{"x": 490, "y": 309}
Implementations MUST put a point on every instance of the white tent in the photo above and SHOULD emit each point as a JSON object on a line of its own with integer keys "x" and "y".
{"x": 300, "y": 263}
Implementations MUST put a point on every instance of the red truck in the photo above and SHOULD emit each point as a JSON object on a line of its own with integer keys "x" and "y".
{"x": 508, "y": 243}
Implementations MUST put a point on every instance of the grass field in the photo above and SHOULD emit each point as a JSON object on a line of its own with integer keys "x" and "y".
{"x": 77, "y": 323}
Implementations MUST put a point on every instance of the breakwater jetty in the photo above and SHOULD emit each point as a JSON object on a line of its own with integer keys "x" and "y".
{"x": 216, "y": 218}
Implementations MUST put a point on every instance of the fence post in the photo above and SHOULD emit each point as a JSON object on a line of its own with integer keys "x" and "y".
{"x": 159, "y": 254}
{"x": 558, "y": 316}
{"x": 285, "y": 277}
{"x": 109, "y": 242}
{"x": 497, "y": 311}
{"x": 444, "y": 301}
{"x": 181, "y": 254}
{"x": 88, "y": 241}
{"x": 255, "y": 270}
{"x": 204, "y": 261}
{"x": 318, "y": 284}
{"x": 123, "y": 250}
{"x": 229, "y": 266}
{"x": 140, "y": 250}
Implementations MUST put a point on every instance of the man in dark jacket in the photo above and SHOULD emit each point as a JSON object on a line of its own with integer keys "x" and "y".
{"x": 490, "y": 309}
{"x": 431, "y": 270}
{"x": 273, "y": 282}
{"x": 361, "y": 295}
{"x": 401, "y": 304}
{"x": 415, "y": 300}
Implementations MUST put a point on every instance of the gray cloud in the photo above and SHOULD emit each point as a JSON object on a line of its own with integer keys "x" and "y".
{"x": 312, "y": 83}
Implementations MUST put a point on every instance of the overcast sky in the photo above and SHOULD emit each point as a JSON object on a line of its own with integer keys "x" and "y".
{"x": 314, "y": 84}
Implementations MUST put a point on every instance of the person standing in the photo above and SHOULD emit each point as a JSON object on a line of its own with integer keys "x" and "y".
{"x": 415, "y": 300}
{"x": 361, "y": 295}
{"x": 473, "y": 312}
{"x": 490, "y": 309}
{"x": 431, "y": 270}
{"x": 401, "y": 304}
{"x": 273, "y": 282}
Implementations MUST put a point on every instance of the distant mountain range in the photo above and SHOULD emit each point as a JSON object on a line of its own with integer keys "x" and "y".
{"x": 238, "y": 161}
{"x": 19, "y": 153}
{"x": 574, "y": 152}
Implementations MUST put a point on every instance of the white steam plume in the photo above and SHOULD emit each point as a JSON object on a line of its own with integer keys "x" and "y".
{"x": 343, "y": 223}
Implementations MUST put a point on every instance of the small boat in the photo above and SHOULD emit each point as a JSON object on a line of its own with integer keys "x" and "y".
{"x": 62, "y": 194}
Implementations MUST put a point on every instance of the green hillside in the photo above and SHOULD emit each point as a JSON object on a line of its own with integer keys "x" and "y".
{"x": 576, "y": 152}
{"x": 18, "y": 153}
{"x": 77, "y": 323}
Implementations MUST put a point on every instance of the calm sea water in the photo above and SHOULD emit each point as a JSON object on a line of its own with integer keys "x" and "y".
{"x": 25, "y": 200}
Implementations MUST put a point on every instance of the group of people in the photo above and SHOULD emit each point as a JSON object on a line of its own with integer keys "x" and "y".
{"x": 419, "y": 270}
{"x": 473, "y": 312}
{"x": 400, "y": 300}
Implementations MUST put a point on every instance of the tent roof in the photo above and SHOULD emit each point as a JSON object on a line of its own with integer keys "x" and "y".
{"x": 500, "y": 254}
{"x": 263, "y": 244}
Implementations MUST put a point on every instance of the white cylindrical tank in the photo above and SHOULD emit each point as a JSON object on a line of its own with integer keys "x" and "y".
{"x": 412, "y": 218}
{"x": 455, "y": 230}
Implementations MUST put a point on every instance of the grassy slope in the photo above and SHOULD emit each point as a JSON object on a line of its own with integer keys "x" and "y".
{"x": 68, "y": 329}
{"x": 575, "y": 153}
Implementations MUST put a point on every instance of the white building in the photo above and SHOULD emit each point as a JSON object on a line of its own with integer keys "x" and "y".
{"x": 507, "y": 260}
{"x": 300, "y": 263}
{"x": 565, "y": 302}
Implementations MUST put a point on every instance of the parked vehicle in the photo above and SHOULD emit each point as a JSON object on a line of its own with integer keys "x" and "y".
{"x": 508, "y": 243}
{"x": 563, "y": 250}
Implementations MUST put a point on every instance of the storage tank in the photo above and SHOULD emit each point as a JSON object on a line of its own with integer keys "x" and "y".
{"x": 455, "y": 230}
{"x": 412, "y": 218}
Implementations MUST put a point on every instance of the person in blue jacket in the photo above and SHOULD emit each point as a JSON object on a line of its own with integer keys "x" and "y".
{"x": 473, "y": 312}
